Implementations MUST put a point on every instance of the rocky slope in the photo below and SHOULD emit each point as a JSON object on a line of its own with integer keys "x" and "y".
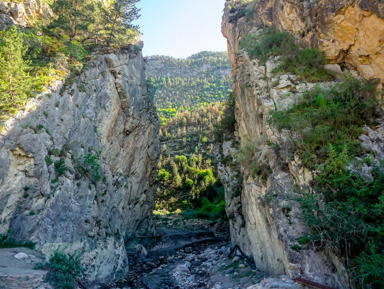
{"x": 76, "y": 166}
{"x": 265, "y": 219}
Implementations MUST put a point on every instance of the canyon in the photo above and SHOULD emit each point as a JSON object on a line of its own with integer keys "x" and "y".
{"x": 78, "y": 162}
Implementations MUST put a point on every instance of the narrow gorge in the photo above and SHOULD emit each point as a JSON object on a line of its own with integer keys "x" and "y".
{"x": 151, "y": 172}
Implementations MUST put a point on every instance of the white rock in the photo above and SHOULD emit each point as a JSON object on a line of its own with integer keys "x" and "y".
{"x": 21, "y": 256}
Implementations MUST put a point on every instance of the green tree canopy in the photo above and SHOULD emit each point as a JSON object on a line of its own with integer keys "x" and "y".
{"x": 15, "y": 82}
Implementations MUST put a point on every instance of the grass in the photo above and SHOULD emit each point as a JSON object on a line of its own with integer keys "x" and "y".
{"x": 307, "y": 64}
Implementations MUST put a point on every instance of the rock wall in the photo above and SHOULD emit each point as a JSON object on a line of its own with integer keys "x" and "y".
{"x": 351, "y": 32}
{"x": 22, "y": 13}
{"x": 53, "y": 189}
{"x": 266, "y": 205}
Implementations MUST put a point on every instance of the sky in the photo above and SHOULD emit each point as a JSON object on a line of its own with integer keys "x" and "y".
{"x": 180, "y": 28}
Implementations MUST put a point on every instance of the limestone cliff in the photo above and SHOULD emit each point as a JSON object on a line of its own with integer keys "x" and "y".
{"x": 76, "y": 166}
{"x": 264, "y": 217}
{"x": 22, "y": 13}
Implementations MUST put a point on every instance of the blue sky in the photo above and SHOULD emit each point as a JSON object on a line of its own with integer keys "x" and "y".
{"x": 180, "y": 28}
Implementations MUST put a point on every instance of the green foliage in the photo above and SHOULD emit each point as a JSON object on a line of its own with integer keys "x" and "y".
{"x": 350, "y": 222}
{"x": 346, "y": 213}
{"x": 5, "y": 242}
{"x": 322, "y": 116}
{"x": 188, "y": 183}
{"x": 60, "y": 168}
{"x": 184, "y": 91}
{"x": 163, "y": 176}
{"x": 63, "y": 270}
{"x": 306, "y": 63}
{"x": 249, "y": 157}
{"x": 89, "y": 167}
{"x": 269, "y": 43}
{"x": 94, "y": 21}
{"x": 369, "y": 267}
{"x": 228, "y": 121}
{"x": 15, "y": 81}
{"x": 207, "y": 210}
{"x": 180, "y": 85}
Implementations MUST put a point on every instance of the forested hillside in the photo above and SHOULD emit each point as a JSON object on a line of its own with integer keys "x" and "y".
{"x": 183, "y": 84}
{"x": 190, "y": 96}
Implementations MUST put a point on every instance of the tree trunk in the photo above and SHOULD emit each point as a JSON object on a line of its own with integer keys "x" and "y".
{"x": 114, "y": 24}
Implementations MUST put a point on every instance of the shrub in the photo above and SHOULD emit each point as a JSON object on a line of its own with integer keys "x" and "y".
{"x": 228, "y": 122}
{"x": 269, "y": 43}
{"x": 63, "y": 270}
{"x": 208, "y": 210}
{"x": 92, "y": 165}
{"x": 60, "y": 167}
{"x": 324, "y": 116}
{"x": 350, "y": 221}
{"x": 306, "y": 63}
{"x": 5, "y": 242}
{"x": 249, "y": 157}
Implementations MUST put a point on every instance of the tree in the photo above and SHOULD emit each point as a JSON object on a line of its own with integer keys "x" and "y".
{"x": 15, "y": 82}
{"x": 119, "y": 17}
{"x": 70, "y": 17}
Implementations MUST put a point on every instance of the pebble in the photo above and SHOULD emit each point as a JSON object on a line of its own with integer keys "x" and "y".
{"x": 182, "y": 268}
{"x": 237, "y": 258}
{"x": 230, "y": 271}
{"x": 189, "y": 258}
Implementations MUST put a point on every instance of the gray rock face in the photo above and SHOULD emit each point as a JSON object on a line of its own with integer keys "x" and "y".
{"x": 53, "y": 188}
{"x": 267, "y": 202}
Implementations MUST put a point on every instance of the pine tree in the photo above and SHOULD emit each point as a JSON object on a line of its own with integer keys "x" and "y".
{"x": 119, "y": 17}
{"x": 15, "y": 82}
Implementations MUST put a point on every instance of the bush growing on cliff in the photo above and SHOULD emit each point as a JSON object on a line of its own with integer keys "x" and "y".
{"x": 306, "y": 63}
{"x": 350, "y": 221}
{"x": 346, "y": 212}
{"x": 228, "y": 122}
{"x": 322, "y": 116}
{"x": 249, "y": 156}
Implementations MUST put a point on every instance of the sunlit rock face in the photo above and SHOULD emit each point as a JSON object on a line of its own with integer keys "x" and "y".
{"x": 22, "y": 13}
{"x": 265, "y": 219}
{"x": 350, "y": 32}
{"x": 53, "y": 189}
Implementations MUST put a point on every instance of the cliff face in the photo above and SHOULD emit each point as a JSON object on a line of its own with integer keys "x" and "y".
{"x": 76, "y": 167}
{"x": 350, "y": 32}
{"x": 22, "y": 13}
{"x": 266, "y": 206}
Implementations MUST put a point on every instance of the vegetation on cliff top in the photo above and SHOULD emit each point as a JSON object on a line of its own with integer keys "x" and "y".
{"x": 35, "y": 57}
{"x": 307, "y": 64}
